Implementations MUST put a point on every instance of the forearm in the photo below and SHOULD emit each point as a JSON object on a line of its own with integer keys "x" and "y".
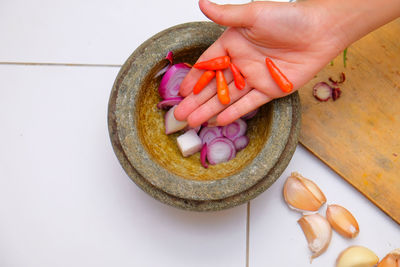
{"x": 352, "y": 19}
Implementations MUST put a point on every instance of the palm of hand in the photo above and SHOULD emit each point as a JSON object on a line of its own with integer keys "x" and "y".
{"x": 296, "y": 46}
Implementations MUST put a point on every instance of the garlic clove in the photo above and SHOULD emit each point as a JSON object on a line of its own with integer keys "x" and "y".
{"x": 302, "y": 193}
{"x": 342, "y": 221}
{"x": 391, "y": 260}
{"x": 357, "y": 256}
{"x": 318, "y": 233}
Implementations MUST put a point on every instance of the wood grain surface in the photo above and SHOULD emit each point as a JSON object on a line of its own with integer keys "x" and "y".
{"x": 358, "y": 135}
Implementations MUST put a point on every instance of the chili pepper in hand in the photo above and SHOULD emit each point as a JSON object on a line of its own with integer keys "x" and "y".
{"x": 237, "y": 76}
{"x": 222, "y": 88}
{"x": 283, "y": 82}
{"x": 218, "y": 63}
{"x": 205, "y": 78}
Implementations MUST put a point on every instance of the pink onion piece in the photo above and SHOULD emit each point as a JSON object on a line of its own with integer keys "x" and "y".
{"x": 162, "y": 71}
{"x": 250, "y": 115}
{"x": 220, "y": 150}
{"x": 207, "y": 134}
{"x": 171, "y": 81}
{"x": 172, "y": 125}
{"x": 335, "y": 82}
{"x": 241, "y": 142}
{"x": 169, "y": 102}
{"x": 235, "y": 129}
{"x": 203, "y": 156}
{"x": 170, "y": 57}
{"x": 322, "y": 91}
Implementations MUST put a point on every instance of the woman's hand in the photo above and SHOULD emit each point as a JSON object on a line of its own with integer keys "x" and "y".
{"x": 299, "y": 37}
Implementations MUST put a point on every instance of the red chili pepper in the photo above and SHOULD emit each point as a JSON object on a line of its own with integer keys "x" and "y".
{"x": 222, "y": 88}
{"x": 218, "y": 63}
{"x": 283, "y": 82}
{"x": 205, "y": 78}
{"x": 237, "y": 76}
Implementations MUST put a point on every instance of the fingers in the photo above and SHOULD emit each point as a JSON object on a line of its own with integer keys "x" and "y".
{"x": 244, "y": 105}
{"x": 213, "y": 106}
{"x": 228, "y": 15}
{"x": 215, "y": 50}
{"x": 192, "y": 101}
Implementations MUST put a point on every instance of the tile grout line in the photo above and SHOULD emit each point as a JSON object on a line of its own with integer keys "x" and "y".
{"x": 248, "y": 234}
{"x": 60, "y": 64}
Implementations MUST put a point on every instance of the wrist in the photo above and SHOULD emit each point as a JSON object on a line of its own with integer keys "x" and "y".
{"x": 349, "y": 20}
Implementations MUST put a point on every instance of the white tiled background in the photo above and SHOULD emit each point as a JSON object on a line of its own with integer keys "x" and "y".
{"x": 65, "y": 200}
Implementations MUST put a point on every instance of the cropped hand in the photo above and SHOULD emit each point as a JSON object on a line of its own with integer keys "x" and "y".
{"x": 299, "y": 38}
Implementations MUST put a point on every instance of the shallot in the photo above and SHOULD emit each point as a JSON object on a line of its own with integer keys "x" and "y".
{"x": 322, "y": 91}
{"x": 172, "y": 125}
{"x": 220, "y": 150}
{"x": 241, "y": 142}
{"x": 203, "y": 156}
{"x": 172, "y": 79}
{"x": 169, "y": 58}
{"x": 235, "y": 129}
{"x": 342, "y": 79}
{"x": 169, "y": 102}
{"x": 207, "y": 134}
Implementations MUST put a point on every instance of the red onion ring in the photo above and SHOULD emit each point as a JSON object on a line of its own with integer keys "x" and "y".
{"x": 169, "y": 102}
{"x": 172, "y": 79}
{"x": 220, "y": 150}
{"x": 207, "y": 134}
{"x": 234, "y": 129}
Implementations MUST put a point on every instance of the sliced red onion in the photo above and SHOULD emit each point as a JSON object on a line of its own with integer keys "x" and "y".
{"x": 207, "y": 134}
{"x": 172, "y": 79}
{"x": 235, "y": 129}
{"x": 172, "y": 125}
{"x": 189, "y": 143}
{"x": 342, "y": 79}
{"x": 169, "y": 102}
{"x": 162, "y": 71}
{"x": 220, "y": 150}
{"x": 336, "y": 93}
{"x": 203, "y": 156}
{"x": 322, "y": 91}
{"x": 250, "y": 115}
{"x": 169, "y": 57}
{"x": 241, "y": 142}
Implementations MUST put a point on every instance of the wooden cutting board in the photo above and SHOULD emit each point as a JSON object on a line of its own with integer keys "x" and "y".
{"x": 358, "y": 135}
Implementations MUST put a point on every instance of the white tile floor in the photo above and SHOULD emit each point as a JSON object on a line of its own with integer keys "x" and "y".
{"x": 65, "y": 200}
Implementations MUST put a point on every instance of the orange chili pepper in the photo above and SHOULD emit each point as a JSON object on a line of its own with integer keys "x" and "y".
{"x": 222, "y": 88}
{"x": 218, "y": 63}
{"x": 283, "y": 82}
{"x": 205, "y": 78}
{"x": 237, "y": 76}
